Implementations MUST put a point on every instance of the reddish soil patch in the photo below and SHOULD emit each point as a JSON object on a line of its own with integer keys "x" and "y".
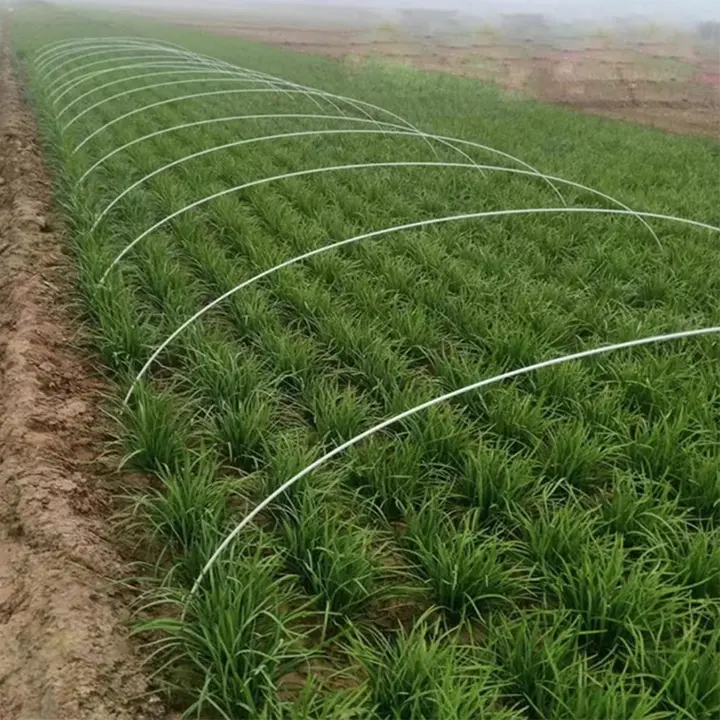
{"x": 65, "y": 653}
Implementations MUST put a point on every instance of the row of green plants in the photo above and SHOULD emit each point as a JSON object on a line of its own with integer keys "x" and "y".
{"x": 545, "y": 548}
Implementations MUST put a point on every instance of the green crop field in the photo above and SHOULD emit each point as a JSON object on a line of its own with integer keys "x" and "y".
{"x": 432, "y": 430}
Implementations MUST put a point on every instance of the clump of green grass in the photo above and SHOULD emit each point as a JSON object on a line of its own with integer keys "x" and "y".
{"x": 699, "y": 489}
{"x": 605, "y": 695}
{"x": 123, "y": 331}
{"x": 537, "y": 654}
{"x": 614, "y": 597}
{"x": 442, "y": 434}
{"x": 158, "y": 430}
{"x": 289, "y": 452}
{"x": 573, "y": 455}
{"x": 337, "y": 560}
{"x": 186, "y": 515}
{"x": 494, "y": 483}
{"x": 692, "y": 558}
{"x": 238, "y": 636}
{"x": 540, "y": 655}
{"x": 467, "y": 571}
{"x": 393, "y": 475}
{"x": 316, "y": 702}
{"x": 240, "y": 427}
{"x": 425, "y": 673}
{"x": 638, "y": 507}
{"x": 683, "y": 667}
{"x": 338, "y": 413}
{"x": 556, "y": 536}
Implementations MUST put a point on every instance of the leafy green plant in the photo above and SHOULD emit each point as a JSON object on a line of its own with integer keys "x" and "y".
{"x": 336, "y": 560}
{"x": 566, "y": 521}
{"x": 186, "y": 514}
{"x": 235, "y": 638}
{"x": 467, "y": 572}
{"x": 425, "y": 673}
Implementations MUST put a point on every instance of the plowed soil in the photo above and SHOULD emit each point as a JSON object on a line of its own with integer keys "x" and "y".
{"x": 64, "y": 650}
{"x": 670, "y": 86}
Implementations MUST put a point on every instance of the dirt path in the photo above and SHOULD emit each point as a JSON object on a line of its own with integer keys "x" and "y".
{"x": 63, "y": 651}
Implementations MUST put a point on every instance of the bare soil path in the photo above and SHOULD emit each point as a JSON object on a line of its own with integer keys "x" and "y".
{"x": 64, "y": 652}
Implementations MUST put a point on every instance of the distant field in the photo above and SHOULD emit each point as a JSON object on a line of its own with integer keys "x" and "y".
{"x": 544, "y": 546}
{"x": 671, "y": 84}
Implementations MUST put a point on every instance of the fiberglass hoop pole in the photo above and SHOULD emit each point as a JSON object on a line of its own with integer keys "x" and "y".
{"x": 386, "y": 231}
{"x": 424, "y": 406}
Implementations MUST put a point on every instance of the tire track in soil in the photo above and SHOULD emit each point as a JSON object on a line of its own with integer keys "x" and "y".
{"x": 64, "y": 653}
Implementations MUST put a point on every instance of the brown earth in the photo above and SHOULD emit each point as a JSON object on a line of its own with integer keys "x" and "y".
{"x": 672, "y": 86}
{"x": 64, "y": 651}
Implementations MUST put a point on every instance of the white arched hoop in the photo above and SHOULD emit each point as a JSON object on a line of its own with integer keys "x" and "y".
{"x": 216, "y": 64}
{"x": 268, "y": 80}
{"x": 229, "y": 118}
{"x": 388, "y": 132}
{"x": 113, "y": 56}
{"x": 70, "y": 74}
{"x": 266, "y": 181}
{"x": 550, "y": 179}
{"x": 69, "y": 82}
{"x": 456, "y": 141}
{"x": 59, "y": 45}
{"x": 357, "y": 105}
{"x": 41, "y": 62}
{"x": 293, "y": 91}
{"x": 424, "y": 406}
{"x": 210, "y": 61}
{"x": 133, "y": 78}
{"x": 160, "y": 52}
{"x": 77, "y": 52}
{"x": 60, "y": 92}
{"x": 172, "y": 83}
{"x": 388, "y": 231}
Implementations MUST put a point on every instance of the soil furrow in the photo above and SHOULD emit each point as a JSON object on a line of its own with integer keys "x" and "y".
{"x": 64, "y": 649}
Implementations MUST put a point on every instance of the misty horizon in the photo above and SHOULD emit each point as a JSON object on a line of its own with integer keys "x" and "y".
{"x": 661, "y": 11}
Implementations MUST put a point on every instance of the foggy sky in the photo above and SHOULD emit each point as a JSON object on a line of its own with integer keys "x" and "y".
{"x": 574, "y": 8}
{"x": 659, "y": 10}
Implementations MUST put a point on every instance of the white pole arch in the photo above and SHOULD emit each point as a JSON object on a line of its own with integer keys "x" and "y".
{"x": 133, "y": 78}
{"x": 220, "y": 70}
{"x": 57, "y": 45}
{"x": 46, "y": 64}
{"x": 65, "y": 81}
{"x": 655, "y": 339}
{"x": 220, "y": 76}
{"x": 60, "y": 92}
{"x": 48, "y": 55}
{"x": 469, "y": 143}
{"x": 387, "y": 231}
{"x": 356, "y": 104}
{"x": 113, "y": 55}
{"x": 304, "y": 92}
{"x": 159, "y": 50}
{"x": 360, "y": 105}
{"x": 228, "y": 118}
{"x": 219, "y": 66}
{"x": 343, "y": 131}
{"x": 266, "y": 181}
{"x": 213, "y": 63}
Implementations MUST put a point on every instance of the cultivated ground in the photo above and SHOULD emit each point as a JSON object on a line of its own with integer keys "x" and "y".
{"x": 293, "y": 274}
{"x": 670, "y": 84}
